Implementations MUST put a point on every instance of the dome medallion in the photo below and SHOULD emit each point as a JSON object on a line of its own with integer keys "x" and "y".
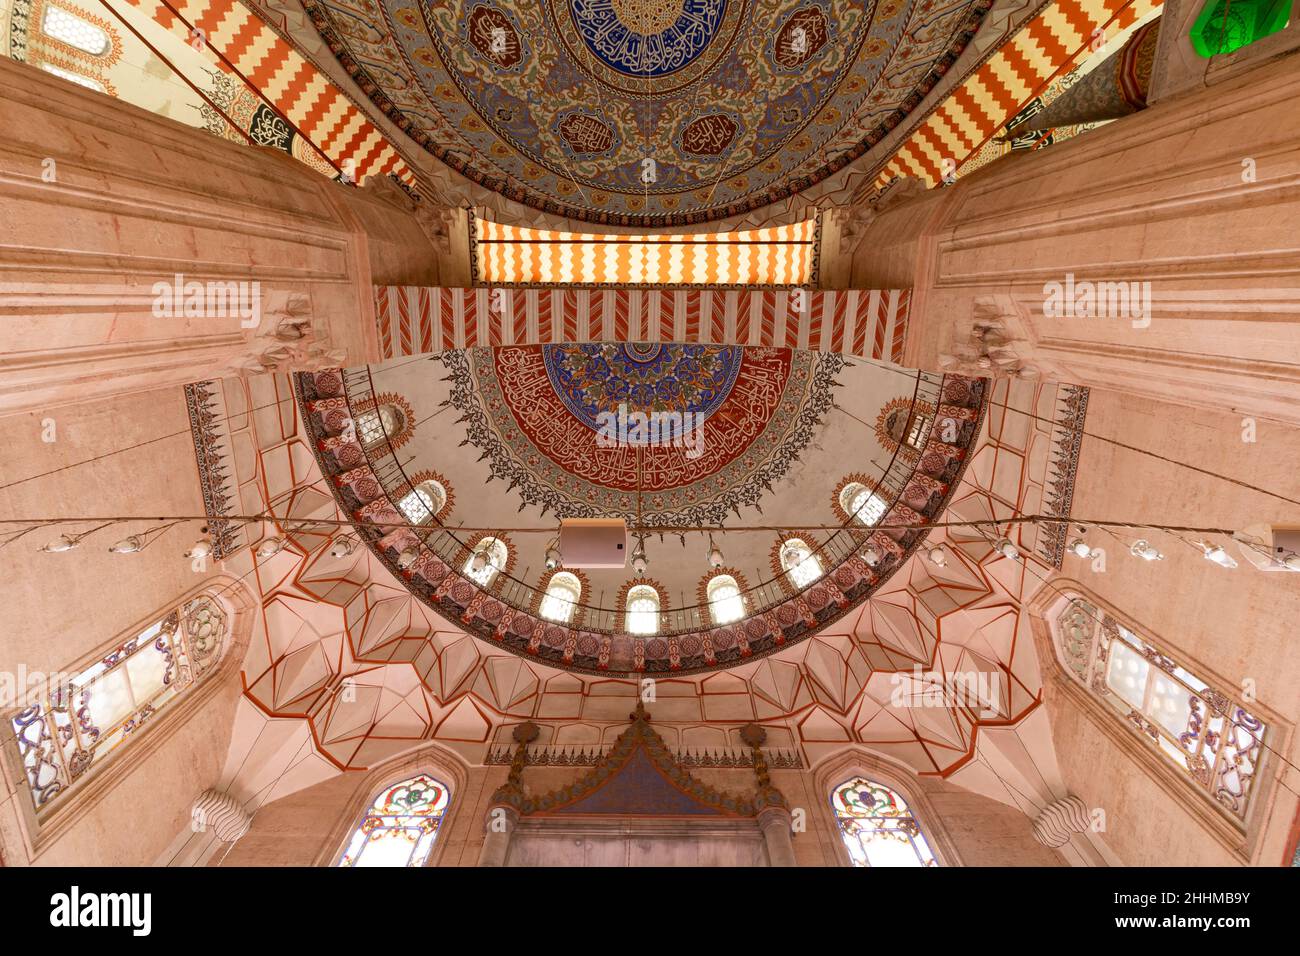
{"x": 647, "y": 38}
{"x": 689, "y": 382}
{"x": 582, "y": 430}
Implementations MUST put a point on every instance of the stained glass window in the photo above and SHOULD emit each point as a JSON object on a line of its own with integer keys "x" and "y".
{"x": 877, "y": 827}
{"x": 642, "y": 610}
{"x": 1227, "y": 25}
{"x": 423, "y": 502}
{"x": 725, "y": 603}
{"x": 563, "y": 591}
{"x": 862, "y": 504}
{"x": 87, "y": 720}
{"x": 1208, "y": 734}
{"x": 798, "y": 561}
{"x": 401, "y": 825}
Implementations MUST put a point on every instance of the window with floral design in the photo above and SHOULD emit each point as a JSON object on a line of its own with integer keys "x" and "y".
{"x": 1205, "y": 732}
{"x": 400, "y": 826}
{"x": 877, "y": 826}
{"x": 90, "y": 718}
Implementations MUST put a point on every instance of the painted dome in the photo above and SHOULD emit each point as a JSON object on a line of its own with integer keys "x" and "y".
{"x": 646, "y": 112}
{"x": 701, "y": 431}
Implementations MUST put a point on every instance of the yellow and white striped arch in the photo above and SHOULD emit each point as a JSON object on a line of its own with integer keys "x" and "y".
{"x": 510, "y": 255}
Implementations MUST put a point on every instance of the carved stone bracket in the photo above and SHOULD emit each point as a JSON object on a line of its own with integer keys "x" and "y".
{"x": 287, "y": 339}
{"x": 1057, "y": 821}
{"x": 995, "y": 342}
{"x": 853, "y": 221}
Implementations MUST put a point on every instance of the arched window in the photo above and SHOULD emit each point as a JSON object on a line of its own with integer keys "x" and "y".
{"x": 877, "y": 827}
{"x": 76, "y": 32}
{"x": 799, "y": 562}
{"x": 1204, "y": 731}
{"x": 642, "y": 610}
{"x": 90, "y": 719}
{"x": 377, "y": 424}
{"x": 489, "y": 558}
{"x": 563, "y": 592}
{"x": 862, "y": 504}
{"x": 907, "y": 428}
{"x": 725, "y": 603}
{"x": 400, "y": 826}
{"x": 423, "y": 502}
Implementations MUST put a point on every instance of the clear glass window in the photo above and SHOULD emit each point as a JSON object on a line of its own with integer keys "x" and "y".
{"x": 642, "y": 610}
{"x": 862, "y": 504}
{"x": 563, "y": 591}
{"x": 799, "y": 562}
{"x": 422, "y": 503}
{"x": 77, "y": 78}
{"x": 497, "y": 556}
{"x": 73, "y": 30}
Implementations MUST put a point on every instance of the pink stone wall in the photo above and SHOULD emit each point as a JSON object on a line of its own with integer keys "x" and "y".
{"x": 1239, "y": 624}
{"x": 60, "y": 609}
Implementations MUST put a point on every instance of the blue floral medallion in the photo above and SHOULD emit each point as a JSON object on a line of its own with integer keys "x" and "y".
{"x": 647, "y": 37}
{"x": 595, "y": 379}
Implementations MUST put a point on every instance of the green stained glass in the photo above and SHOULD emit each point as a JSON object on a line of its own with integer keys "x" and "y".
{"x": 1227, "y": 25}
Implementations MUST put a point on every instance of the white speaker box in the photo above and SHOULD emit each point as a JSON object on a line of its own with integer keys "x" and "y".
{"x": 593, "y": 543}
{"x": 1270, "y": 548}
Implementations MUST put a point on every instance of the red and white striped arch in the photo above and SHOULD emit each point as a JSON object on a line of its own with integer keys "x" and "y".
{"x": 871, "y": 323}
{"x": 320, "y": 111}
